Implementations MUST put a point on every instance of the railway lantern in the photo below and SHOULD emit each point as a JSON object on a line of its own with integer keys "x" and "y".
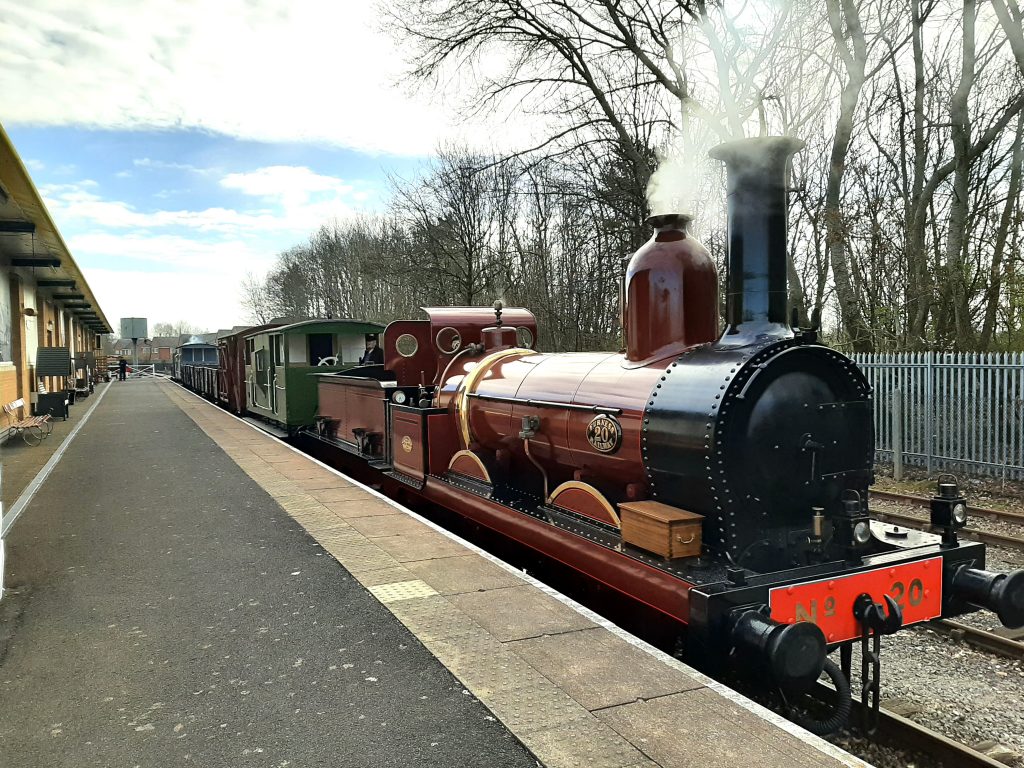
{"x": 948, "y": 509}
{"x": 852, "y": 527}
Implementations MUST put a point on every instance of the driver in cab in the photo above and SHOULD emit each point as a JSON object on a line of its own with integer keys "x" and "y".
{"x": 373, "y": 355}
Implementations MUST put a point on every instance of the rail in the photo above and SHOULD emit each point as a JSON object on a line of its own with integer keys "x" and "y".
{"x": 904, "y": 733}
{"x": 985, "y": 639}
{"x": 1005, "y": 515}
{"x": 948, "y": 752}
{"x": 976, "y": 534}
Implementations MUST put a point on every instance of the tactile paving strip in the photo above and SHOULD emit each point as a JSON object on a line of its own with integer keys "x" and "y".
{"x": 585, "y": 743}
{"x": 434, "y": 618}
{"x": 385, "y": 576}
{"x": 534, "y": 707}
{"x": 486, "y": 670}
{"x": 402, "y": 590}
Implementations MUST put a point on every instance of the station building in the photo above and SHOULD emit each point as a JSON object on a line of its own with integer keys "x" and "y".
{"x": 45, "y": 300}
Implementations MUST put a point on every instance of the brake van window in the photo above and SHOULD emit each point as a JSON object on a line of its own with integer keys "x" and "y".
{"x": 321, "y": 345}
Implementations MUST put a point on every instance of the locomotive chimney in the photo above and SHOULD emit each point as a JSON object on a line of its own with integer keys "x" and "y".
{"x": 757, "y": 297}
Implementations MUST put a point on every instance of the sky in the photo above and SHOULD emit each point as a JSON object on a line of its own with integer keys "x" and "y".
{"x": 179, "y": 146}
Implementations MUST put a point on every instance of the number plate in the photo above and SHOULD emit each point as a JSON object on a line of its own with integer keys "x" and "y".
{"x": 916, "y": 587}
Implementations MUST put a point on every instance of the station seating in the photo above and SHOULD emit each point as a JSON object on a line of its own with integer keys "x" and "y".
{"x": 33, "y": 429}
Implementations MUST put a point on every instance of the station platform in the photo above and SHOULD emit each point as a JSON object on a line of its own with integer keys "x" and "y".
{"x": 189, "y": 590}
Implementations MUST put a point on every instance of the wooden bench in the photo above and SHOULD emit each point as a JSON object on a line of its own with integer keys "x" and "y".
{"x": 33, "y": 429}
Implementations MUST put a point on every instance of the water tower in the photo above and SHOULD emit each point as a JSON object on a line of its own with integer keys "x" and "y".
{"x": 134, "y": 328}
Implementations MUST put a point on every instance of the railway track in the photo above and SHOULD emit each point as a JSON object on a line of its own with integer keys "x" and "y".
{"x": 905, "y": 734}
{"x": 1005, "y": 516}
{"x": 1008, "y": 643}
{"x": 948, "y": 752}
{"x": 921, "y": 524}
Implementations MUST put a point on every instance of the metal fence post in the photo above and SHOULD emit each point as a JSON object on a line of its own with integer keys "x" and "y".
{"x": 897, "y": 434}
{"x": 929, "y": 410}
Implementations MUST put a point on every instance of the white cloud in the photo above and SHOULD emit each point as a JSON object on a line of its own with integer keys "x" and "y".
{"x": 209, "y": 301}
{"x": 295, "y": 200}
{"x": 270, "y": 69}
{"x": 79, "y": 207}
{"x": 195, "y": 258}
{"x": 167, "y": 277}
{"x": 146, "y": 162}
{"x": 198, "y": 258}
{"x": 294, "y": 185}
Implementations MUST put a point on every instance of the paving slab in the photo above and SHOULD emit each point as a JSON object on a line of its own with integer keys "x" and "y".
{"x": 720, "y": 732}
{"x": 418, "y": 546}
{"x": 515, "y": 613}
{"x": 585, "y": 743}
{"x": 371, "y": 508}
{"x": 600, "y": 670}
{"x": 537, "y": 706}
{"x": 382, "y": 526}
{"x": 463, "y": 573}
{"x": 346, "y": 493}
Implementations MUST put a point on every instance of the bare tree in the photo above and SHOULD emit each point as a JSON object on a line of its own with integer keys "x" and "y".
{"x": 177, "y": 328}
{"x": 256, "y": 299}
{"x": 1009, "y": 219}
{"x": 906, "y": 204}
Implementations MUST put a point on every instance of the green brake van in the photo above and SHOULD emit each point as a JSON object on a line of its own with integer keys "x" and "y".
{"x": 279, "y": 363}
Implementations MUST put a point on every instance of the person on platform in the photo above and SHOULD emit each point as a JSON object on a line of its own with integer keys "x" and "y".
{"x": 373, "y": 355}
{"x": 122, "y": 368}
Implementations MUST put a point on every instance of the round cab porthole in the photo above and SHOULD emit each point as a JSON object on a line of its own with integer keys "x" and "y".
{"x": 407, "y": 345}
{"x": 448, "y": 340}
{"x": 524, "y": 337}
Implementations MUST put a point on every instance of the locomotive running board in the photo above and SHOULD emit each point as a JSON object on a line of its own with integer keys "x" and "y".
{"x": 379, "y": 464}
{"x": 691, "y": 570}
{"x": 412, "y": 482}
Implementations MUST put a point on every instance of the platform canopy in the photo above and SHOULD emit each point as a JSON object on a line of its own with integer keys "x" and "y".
{"x": 29, "y": 238}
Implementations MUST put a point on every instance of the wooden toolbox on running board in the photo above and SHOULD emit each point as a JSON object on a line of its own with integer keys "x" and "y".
{"x": 662, "y": 529}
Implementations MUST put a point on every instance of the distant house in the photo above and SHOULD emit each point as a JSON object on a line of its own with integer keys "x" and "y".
{"x": 124, "y": 348}
{"x": 163, "y": 349}
{"x": 158, "y": 351}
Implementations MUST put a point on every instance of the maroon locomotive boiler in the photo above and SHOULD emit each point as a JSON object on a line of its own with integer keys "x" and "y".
{"x": 719, "y": 480}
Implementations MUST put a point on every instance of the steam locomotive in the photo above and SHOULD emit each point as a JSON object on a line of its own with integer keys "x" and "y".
{"x": 716, "y": 481}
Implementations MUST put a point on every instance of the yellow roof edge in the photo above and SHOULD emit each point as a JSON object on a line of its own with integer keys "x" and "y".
{"x": 21, "y": 187}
